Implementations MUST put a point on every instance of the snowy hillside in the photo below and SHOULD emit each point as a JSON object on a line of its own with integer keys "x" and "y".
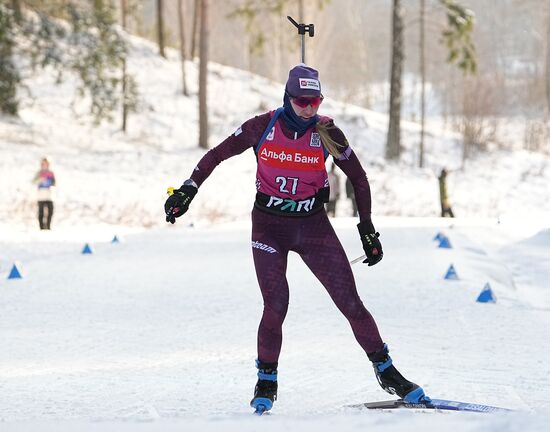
{"x": 107, "y": 177}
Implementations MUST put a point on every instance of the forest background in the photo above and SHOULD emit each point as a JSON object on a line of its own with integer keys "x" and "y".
{"x": 509, "y": 42}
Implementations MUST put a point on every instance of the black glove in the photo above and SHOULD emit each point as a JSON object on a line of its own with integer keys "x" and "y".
{"x": 178, "y": 203}
{"x": 371, "y": 244}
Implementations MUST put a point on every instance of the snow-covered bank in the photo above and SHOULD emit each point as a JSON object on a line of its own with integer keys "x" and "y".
{"x": 105, "y": 176}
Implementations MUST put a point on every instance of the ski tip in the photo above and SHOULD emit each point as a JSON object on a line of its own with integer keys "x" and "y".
{"x": 261, "y": 405}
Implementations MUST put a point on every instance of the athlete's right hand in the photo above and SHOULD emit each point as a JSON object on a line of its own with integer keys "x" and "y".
{"x": 178, "y": 203}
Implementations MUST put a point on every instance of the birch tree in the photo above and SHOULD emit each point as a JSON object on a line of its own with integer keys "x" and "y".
{"x": 9, "y": 75}
{"x": 160, "y": 27}
{"x": 183, "y": 50}
{"x": 547, "y": 63}
{"x": 124, "y": 14}
{"x": 203, "y": 75}
{"x": 195, "y": 29}
{"x": 393, "y": 145}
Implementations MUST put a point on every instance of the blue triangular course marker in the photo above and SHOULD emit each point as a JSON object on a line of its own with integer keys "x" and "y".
{"x": 14, "y": 273}
{"x": 445, "y": 243}
{"x": 115, "y": 239}
{"x": 438, "y": 237}
{"x": 486, "y": 296}
{"x": 451, "y": 273}
{"x": 87, "y": 249}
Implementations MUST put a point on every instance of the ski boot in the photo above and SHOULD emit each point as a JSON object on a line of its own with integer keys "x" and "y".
{"x": 265, "y": 392}
{"x": 392, "y": 381}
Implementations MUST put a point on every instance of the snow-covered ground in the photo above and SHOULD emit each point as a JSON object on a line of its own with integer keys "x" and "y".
{"x": 157, "y": 333}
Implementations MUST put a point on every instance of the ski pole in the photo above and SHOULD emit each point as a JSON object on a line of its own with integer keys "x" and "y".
{"x": 356, "y": 260}
{"x": 302, "y": 29}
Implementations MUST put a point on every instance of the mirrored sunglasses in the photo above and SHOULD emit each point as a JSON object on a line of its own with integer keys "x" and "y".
{"x": 304, "y": 102}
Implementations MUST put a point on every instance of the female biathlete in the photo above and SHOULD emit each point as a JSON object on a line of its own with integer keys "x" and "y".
{"x": 292, "y": 144}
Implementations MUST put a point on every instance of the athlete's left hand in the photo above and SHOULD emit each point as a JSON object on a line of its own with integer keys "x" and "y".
{"x": 371, "y": 243}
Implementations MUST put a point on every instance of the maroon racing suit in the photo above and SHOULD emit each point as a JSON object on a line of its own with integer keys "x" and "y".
{"x": 288, "y": 215}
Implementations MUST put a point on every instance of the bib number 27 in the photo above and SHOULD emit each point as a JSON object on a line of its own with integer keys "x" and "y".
{"x": 292, "y": 182}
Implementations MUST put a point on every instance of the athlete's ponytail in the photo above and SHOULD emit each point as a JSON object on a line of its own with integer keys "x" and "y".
{"x": 333, "y": 147}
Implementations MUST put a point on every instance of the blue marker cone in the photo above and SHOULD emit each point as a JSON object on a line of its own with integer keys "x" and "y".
{"x": 438, "y": 237}
{"x": 445, "y": 243}
{"x": 451, "y": 273}
{"x": 87, "y": 249}
{"x": 15, "y": 273}
{"x": 115, "y": 239}
{"x": 487, "y": 296}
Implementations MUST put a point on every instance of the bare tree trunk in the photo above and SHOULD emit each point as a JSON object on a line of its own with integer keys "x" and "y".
{"x": 465, "y": 141}
{"x": 124, "y": 13}
{"x": 203, "y": 75}
{"x": 470, "y": 118}
{"x": 423, "y": 83}
{"x": 183, "y": 54}
{"x": 393, "y": 145}
{"x": 547, "y": 72}
{"x": 160, "y": 27}
{"x": 16, "y": 6}
{"x": 196, "y": 14}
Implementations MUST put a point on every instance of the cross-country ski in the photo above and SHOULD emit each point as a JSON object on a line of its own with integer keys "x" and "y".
{"x": 431, "y": 404}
